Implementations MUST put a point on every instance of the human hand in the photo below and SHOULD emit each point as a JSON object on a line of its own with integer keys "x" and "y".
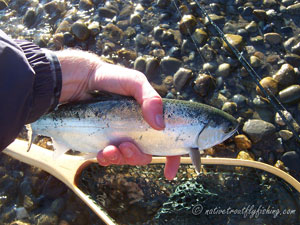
{"x": 84, "y": 72}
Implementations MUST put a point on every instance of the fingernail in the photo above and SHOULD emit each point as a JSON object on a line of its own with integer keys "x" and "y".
{"x": 160, "y": 120}
{"x": 127, "y": 152}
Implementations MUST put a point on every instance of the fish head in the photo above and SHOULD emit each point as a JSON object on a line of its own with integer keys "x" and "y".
{"x": 219, "y": 127}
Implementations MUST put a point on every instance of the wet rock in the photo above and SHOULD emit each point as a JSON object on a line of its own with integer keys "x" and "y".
{"x": 207, "y": 53}
{"x": 29, "y": 17}
{"x": 273, "y": 38}
{"x": 210, "y": 66}
{"x": 255, "y": 61}
{"x": 135, "y": 19}
{"x": 54, "y": 8}
{"x": 107, "y": 12}
{"x": 289, "y": 43}
{"x": 269, "y": 84}
{"x": 187, "y": 24}
{"x": 285, "y": 134}
{"x": 30, "y": 202}
{"x": 246, "y": 155}
{"x": 290, "y": 94}
{"x": 127, "y": 54}
{"x": 47, "y": 219}
{"x": 223, "y": 70}
{"x": 94, "y": 28}
{"x": 85, "y": 4}
{"x": 260, "y": 14}
{"x": 242, "y": 142}
{"x": 163, "y": 3}
{"x": 285, "y": 76}
{"x": 204, "y": 85}
{"x": 140, "y": 64}
{"x": 257, "y": 40}
{"x": 141, "y": 40}
{"x": 200, "y": 36}
{"x": 80, "y": 31}
{"x": 57, "y": 206}
{"x": 217, "y": 100}
{"x": 280, "y": 165}
{"x": 230, "y": 107}
{"x": 170, "y": 65}
{"x": 3, "y": 4}
{"x": 280, "y": 121}
{"x": 291, "y": 160}
{"x": 158, "y": 33}
{"x": 251, "y": 27}
{"x": 220, "y": 20}
{"x": 293, "y": 9}
{"x": 168, "y": 82}
{"x": 158, "y": 53}
{"x": 292, "y": 59}
{"x": 271, "y": 158}
{"x": 152, "y": 67}
{"x": 234, "y": 40}
{"x": 296, "y": 49}
{"x": 63, "y": 27}
{"x": 240, "y": 100}
{"x": 258, "y": 129}
{"x": 113, "y": 33}
{"x": 129, "y": 32}
{"x": 265, "y": 114}
{"x": 69, "y": 39}
{"x": 181, "y": 77}
{"x": 126, "y": 11}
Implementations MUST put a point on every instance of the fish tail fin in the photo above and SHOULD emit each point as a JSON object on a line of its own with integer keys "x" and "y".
{"x": 31, "y": 136}
{"x": 196, "y": 158}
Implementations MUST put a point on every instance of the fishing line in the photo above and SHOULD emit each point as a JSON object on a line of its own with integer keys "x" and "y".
{"x": 275, "y": 103}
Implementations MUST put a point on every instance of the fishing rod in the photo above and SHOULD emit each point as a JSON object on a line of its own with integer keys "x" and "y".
{"x": 256, "y": 78}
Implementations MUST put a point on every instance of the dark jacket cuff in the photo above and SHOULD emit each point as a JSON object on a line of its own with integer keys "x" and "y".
{"x": 47, "y": 82}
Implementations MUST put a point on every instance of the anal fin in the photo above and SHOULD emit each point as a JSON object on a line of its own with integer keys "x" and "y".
{"x": 59, "y": 148}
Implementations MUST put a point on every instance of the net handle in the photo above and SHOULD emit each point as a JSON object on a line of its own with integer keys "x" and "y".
{"x": 239, "y": 162}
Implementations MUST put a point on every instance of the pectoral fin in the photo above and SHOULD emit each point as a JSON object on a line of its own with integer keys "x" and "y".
{"x": 196, "y": 159}
{"x": 31, "y": 136}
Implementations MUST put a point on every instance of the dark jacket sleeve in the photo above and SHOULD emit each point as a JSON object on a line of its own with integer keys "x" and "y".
{"x": 30, "y": 85}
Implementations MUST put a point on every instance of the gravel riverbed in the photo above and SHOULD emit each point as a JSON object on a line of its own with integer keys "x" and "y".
{"x": 184, "y": 58}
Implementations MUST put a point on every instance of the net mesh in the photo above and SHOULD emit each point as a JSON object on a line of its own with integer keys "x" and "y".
{"x": 219, "y": 195}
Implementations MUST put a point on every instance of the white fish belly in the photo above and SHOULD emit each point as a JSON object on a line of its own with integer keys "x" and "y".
{"x": 94, "y": 136}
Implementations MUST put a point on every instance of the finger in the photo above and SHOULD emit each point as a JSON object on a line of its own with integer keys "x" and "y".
{"x": 110, "y": 155}
{"x": 171, "y": 168}
{"x": 132, "y": 155}
{"x": 152, "y": 109}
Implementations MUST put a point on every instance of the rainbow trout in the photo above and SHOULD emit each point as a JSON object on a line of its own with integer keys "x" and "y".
{"x": 89, "y": 127}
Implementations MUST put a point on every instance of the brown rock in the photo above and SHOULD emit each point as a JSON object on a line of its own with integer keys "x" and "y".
{"x": 273, "y": 38}
{"x": 285, "y": 75}
{"x": 187, "y": 24}
{"x": 234, "y": 40}
{"x": 245, "y": 155}
{"x": 242, "y": 142}
{"x": 269, "y": 84}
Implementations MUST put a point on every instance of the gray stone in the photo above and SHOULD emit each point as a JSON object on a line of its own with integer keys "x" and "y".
{"x": 292, "y": 59}
{"x": 152, "y": 66}
{"x": 85, "y": 4}
{"x": 107, "y": 12}
{"x": 140, "y": 64}
{"x": 258, "y": 129}
{"x": 285, "y": 76}
{"x": 273, "y": 38}
{"x": 181, "y": 77}
{"x": 293, "y": 9}
{"x": 29, "y": 18}
{"x": 223, "y": 70}
{"x": 80, "y": 31}
{"x": 170, "y": 65}
{"x": 290, "y": 94}
{"x": 291, "y": 160}
{"x": 141, "y": 40}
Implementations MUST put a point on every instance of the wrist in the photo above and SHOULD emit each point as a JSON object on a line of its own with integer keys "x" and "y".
{"x": 77, "y": 69}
